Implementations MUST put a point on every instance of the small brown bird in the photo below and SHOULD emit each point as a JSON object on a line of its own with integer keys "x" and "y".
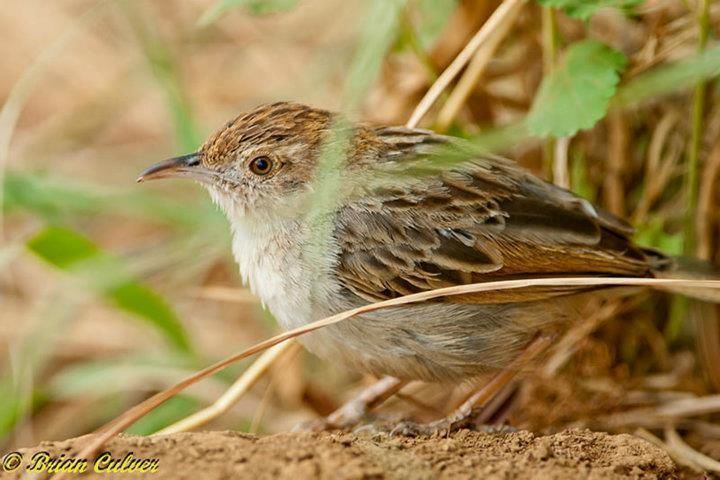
{"x": 314, "y": 236}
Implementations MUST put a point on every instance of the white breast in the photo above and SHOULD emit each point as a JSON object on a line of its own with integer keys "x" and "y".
{"x": 270, "y": 266}
{"x": 294, "y": 281}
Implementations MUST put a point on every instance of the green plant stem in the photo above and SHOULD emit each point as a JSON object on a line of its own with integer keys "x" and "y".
{"x": 693, "y": 163}
{"x": 549, "y": 46}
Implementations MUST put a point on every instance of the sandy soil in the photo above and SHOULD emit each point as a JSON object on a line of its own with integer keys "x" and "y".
{"x": 465, "y": 454}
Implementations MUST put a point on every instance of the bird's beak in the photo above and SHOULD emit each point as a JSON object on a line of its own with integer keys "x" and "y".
{"x": 185, "y": 166}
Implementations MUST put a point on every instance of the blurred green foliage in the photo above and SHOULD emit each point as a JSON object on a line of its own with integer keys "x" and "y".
{"x": 380, "y": 29}
{"x": 255, "y": 7}
{"x": 70, "y": 251}
{"x": 584, "y": 9}
{"x": 434, "y": 15}
{"x": 165, "y": 70}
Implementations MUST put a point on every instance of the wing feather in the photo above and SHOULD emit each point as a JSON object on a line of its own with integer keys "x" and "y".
{"x": 486, "y": 219}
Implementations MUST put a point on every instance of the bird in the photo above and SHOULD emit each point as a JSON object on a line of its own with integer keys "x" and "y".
{"x": 327, "y": 214}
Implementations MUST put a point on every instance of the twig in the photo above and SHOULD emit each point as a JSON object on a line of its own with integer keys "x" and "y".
{"x": 447, "y": 76}
{"x": 480, "y": 60}
{"x": 678, "y": 445}
{"x": 657, "y": 171}
{"x": 706, "y": 198}
{"x": 561, "y": 177}
{"x": 690, "y": 406}
{"x": 571, "y": 341}
{"x": 613, "y": 184}
{"x": 693, "y": 164}
{"x": 244, "y": 383}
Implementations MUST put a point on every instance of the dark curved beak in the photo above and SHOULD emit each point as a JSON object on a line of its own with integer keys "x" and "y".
{"x": 185, "y": 166}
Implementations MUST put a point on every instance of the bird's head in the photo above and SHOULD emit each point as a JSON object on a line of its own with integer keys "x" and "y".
{"x": 262, "y": 163}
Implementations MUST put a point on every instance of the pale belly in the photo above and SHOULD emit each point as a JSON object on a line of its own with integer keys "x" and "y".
{"x": 432, "y": 342}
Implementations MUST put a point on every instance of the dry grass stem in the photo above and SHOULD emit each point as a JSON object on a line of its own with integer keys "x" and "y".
{"x": 706, "y": 214}
{"x": 449, "y": 74}
{"x": 224, "y": 294}
{"x": 572, "y": 340}
{"x": 475, "y": 69}
{"x": 561, "y": 174}
{"x": 241, "y": 386}
{"x": 689, "y": 407}
{"x": 613, "y": 185}
{"x": 488, "y": 392}
{"x": 261, "y": 409}
{"x": 691, "y": 455}
{"x": 658, "y": 171}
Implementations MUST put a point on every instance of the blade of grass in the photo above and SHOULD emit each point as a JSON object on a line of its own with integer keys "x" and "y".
{"x": 669, "y": 78}
{"x": 380, "y": 28}
{"x": 166, "y": 73}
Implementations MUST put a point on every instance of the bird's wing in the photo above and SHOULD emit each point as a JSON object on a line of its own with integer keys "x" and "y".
{"x": 484, "y": 220}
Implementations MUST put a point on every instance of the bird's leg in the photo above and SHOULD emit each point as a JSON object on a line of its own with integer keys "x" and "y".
{"x": 474, "y": 410}
{"x": 352, "y": 412}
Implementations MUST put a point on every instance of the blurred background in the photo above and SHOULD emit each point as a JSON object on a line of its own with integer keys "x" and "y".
{"x": 110, "y": 291}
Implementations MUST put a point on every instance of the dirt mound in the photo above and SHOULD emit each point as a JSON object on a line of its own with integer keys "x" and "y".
{"x": 465, "y": 454}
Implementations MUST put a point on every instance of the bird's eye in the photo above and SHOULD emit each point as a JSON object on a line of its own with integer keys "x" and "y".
{"x": 261, "y": 165}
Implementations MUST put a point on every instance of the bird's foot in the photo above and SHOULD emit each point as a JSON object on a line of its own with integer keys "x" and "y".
{"x": 356, "y": 410}
{"x": 442, "y": 427}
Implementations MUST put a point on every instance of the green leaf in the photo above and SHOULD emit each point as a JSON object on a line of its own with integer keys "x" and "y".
{"x": 670, "y": 78}
{"x": 584, "y": 9}
{"x": 141, "y": 300}
{"x": 70, "y": 251}
{"x": 255, "y": 7}
{"x": 577, "y": 93}
{"x": 62, "y": 248}
{"x": 56, "y": 198}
